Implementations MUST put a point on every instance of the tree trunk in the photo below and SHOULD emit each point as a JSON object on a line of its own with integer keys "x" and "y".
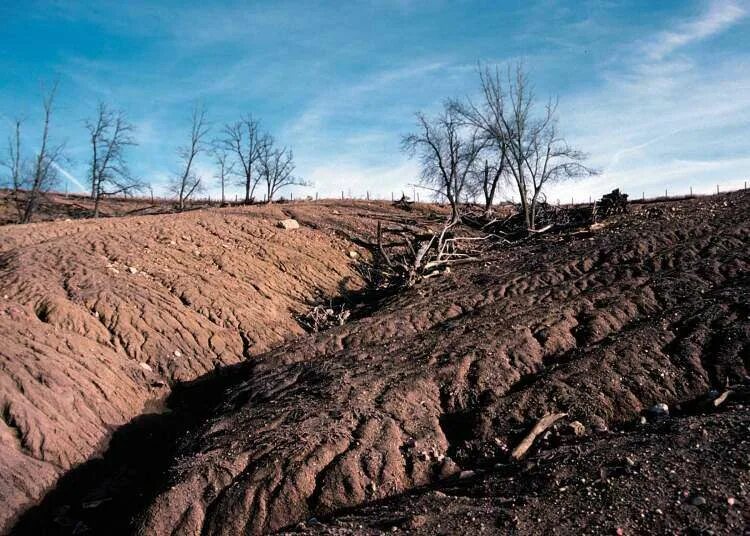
{"x": 96, "y": 204}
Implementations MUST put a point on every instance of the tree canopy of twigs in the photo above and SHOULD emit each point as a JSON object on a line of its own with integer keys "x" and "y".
{"x": 224, "y": 167}
{"x": 17, "y": 168}
{"x": 486, "y": 116}
{"x": 188, "y": 182}
{"x": 245, "y": 140}
{"x": 523, "y": 144}
{"x": 109, "y": 135}
{"x": 448, "y": 151}
{"x": 277, "y": 169}
{"x": 44, "y": 170}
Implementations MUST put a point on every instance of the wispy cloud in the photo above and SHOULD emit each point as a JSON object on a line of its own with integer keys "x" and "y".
{"x": 719, "y": 16}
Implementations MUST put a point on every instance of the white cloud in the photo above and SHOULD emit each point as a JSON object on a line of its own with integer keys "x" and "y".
{"x": 719, "y": 16}
{"x": 331, "y": 178}
{"x": 658, "y": 120}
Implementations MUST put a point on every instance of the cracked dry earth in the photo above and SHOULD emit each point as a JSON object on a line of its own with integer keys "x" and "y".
{"x": 98, "y": 318}
{"x": 403, "y": 420}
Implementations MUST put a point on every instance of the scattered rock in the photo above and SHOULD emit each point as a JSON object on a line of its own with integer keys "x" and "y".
{"x": 698, "y": 500}
{"x": 177, "y": 353}
{"x": 132, "y": 269}
{"x": 466, "y": 474}
{"x": 598, "y": 424}
{"x": 146, "y": 367}
{"x": 353, "y": 254}
{"x": 288, "y": 224}
{"x": 659, "y": 410}
{"x": 576, "y": 428}
{"x": 448, "y": 468}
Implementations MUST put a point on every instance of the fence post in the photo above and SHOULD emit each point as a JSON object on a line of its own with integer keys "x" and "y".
{"x": 316, "y": 196}
{"x": 342, "y": 195}
{"x": 368, "y": 195}
{"x": 391, "y": 196}
{"x": 643, "y": 196}
{"x": 691, "y": 191}
{"x": 717, "y": 189}
{"x": 665, "y": 193}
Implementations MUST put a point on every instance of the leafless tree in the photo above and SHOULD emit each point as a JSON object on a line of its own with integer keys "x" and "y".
{"x": 246, "y": 142}
{"x": 44, "y": 173}
{"x": 17, "y": 166}
{"x": 551, "y": 159}
{"x": 488, "y": 117}
{"x": 537, "y": 154}
{"x": 448, "y": 151}
{"x": 277, "y": 169}
{"x": 110, "y": 134}
{"x": 187, "y": 182}
{"x": 225, "y": 168}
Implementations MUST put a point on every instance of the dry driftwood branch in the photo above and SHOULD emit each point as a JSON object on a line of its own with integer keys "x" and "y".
{"x": 718, "y": 401}
{"x": 380, "y": 247}
{"x": 539, "y": 428}
{"x": 542, "y": 230}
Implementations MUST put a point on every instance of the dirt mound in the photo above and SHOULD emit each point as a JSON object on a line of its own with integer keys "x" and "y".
{"x": 99, "y": 317}
{"x": 448, "y": 376}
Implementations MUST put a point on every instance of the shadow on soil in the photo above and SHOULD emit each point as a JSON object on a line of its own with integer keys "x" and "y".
{"x": 103, "y": 494}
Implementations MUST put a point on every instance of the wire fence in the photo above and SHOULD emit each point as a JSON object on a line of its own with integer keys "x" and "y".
{"x": 347, "y": 195}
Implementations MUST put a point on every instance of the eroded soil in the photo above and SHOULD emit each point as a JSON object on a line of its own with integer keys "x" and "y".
{"x": 100, "y": 317}
{"x": 404, "y": 419}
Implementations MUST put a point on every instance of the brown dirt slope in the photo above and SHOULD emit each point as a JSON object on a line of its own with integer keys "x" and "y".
{"x": 98, "y": 317}
{"x": 449, "y": 375}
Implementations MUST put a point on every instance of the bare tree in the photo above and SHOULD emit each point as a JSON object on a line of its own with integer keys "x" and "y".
{"x": 225, "y": 168}
{"x": 448, "y": 151}
{"x": 17, "y": 167}
{"x": 46, "y": 163}
{"x": 277, "y": 168}
{"x": 187, "y": 182}
{"x": 537, "y": 155}
{"x": 246, "y": 141}
{"x": 489, "y": 118}
{"x": 110, "y": 134}
{"x": 550, "y": 159}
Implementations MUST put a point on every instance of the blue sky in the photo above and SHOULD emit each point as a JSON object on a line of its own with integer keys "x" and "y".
{"x": 658, "y": 93}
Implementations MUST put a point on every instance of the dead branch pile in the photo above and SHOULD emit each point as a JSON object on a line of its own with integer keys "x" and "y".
{"x": 405, "y": 255}
{"x": 613, "y": 203}
{"x": 404, "y": 203}
{"x": 548, "y": 218}
{"x": 321, "y": 318}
